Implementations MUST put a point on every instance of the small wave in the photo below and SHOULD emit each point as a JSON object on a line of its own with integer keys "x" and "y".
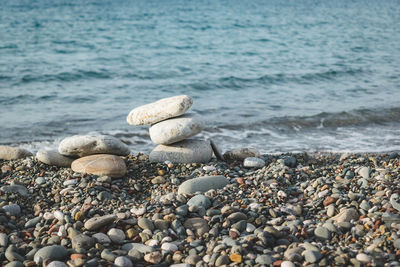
{"x": 281, "y": 78}
{"x": 25, "y": 99}
{"x": 67, "y": 76}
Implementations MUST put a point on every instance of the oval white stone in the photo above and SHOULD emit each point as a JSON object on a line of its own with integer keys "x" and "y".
{"x": 187, "y": 151}
{"x": 176, "y": 129}
{"x": 52, "y": 157}
{"x": 202, "y": 184}
{"x": 84, "y": 145}
{"x": 160, "y": 110}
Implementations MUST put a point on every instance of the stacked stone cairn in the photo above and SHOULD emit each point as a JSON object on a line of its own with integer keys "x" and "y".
{"x": 170, "y": 128}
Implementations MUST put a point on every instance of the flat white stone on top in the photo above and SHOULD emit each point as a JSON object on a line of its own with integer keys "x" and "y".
{"x": 160, "y": 110}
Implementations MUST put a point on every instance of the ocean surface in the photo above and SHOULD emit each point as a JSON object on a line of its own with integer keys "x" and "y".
{"x": 280, "y": 76}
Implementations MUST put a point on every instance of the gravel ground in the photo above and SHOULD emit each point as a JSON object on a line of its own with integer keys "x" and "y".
{"x": 297, "y": 210}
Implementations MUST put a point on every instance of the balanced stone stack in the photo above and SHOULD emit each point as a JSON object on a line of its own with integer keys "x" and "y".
{"x": 170, "y": 128}
{"x": 93, "y": 154}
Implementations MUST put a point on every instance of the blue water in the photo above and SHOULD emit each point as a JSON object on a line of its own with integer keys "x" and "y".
{"x": 280, "y": 76}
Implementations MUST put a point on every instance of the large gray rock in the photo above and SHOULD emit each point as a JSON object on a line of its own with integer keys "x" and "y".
{"x": 160, "y": 110}
{"x": 84, "y": 145}
{"x": 202, "y": 184}
{"x": 52, "y": 157}
{"x": 101, "y": 165}
{"x": 50, "y": 253}
{"x": 187, "y": 151}
{"x": 15, "y": 188}
{"x": 10, "y": 153}
{"x": 97, "y": 222}
{"x": 176, "y": 129}
{"x": 241, "y": 153}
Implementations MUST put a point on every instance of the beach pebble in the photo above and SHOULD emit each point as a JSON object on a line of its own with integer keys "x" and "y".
{"x": 153, "y": 257}
{"x": 169, "y": 247}
{"x": 59, "y": 215}
{"x": 12, "y": 209}
{"x": 12, "y": 254}
{"x": 116, "y": 235}
{"x": 291, "y": 162}
{"x": 202, "y": 184}
{"x": 145, "y": 223}
{"x": 312, "y": 256}
{"x": 50, "y": 253}
{"x": 98, "y": 222}
{"x": 364, "y": 172}
{"x": 142, "y": 248}
{"x": 3, "y": 240}
{"x": 54, "y": 158}
{"x": 56, "y": 264}
{"x": 264, "y": 259}
{"x": 160, "y": 110}
{"x": 287, "y": 264}
{"x": 180, "y": 265}
{"x": 241, "y": 154}
{"x": 198, "y": 225}
{"x": 101, "y": 164}
{"x": 101, "y": 238}
{"x": 85, "y": 145}
{"x": 176, "y": 129}
{"x": 186, "y": 151}
{"x": 15, "y": 188}
{"x": 364, "y": 258}
{"x": 346, "y": 215}
{"x": 82, "y": 241}
{"x": 322, "y": 233}
{"x": 252, "y": 162}
{"x": 33, "y": 222}
{"x": 122, "y": 261}
{"x": 11, "y": 153}
{"x": 199, "y": 201}
{"x": 16, "y": 264}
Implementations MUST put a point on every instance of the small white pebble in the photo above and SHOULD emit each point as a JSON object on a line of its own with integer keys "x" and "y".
{"x": 169, "y": 247}
{"x": 59, "y": 215}
{"x": 364, "y": 258}
{"x": 287, "y": 264}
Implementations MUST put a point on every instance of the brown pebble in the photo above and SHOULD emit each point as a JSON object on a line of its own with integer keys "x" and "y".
{"x": 328, "y": 200}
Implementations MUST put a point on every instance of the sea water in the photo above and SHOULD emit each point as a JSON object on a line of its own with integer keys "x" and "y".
{"x": 281, "y": 76}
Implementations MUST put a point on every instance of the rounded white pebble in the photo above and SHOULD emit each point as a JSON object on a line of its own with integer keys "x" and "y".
{"x": 48, "y": 216}
{"x": 252, "y": 162}
{"x": 250, "y": 228}
{"x": 364, "y": 258}
{"x": 122, "y": 261}
{"x": 287, "y": 264}
{"x": 169, "y": 247}
{"x": 116, "y": 235}
{"x": 56, "y": 264}
{"x": 59, "y": 215}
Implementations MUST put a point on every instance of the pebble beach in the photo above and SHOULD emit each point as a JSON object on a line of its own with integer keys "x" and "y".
{"x": 297, "y": 210}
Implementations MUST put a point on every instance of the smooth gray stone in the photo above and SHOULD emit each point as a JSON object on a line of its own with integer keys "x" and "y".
{"x": 202, "y": 184}
{"x": 322, "y": 233}
{"x": 240, "y": 225}
{"x": 85, "y": 145}
{"x": 54, "y": 158}
{"x": 142, "y": 248}
{"x": 10, "y": 153}
{"x": 3, "y": 240}
{"x": 265, "y": 259}
{"x": 394, "y": 201}
{"x": 16, "y": 264}
{"x": 241, "y": 153}
{"x": 160, "y": 110}
{"x": 57, "y": 264}
{"x": 237, "y": 216}
{"x": 33, "y": 222}
{"x": 15, "y": 188}
{"x": 145, "y": 223}
{"x": 12, "y": 209}
{"x": 82, "y": 241}
{"x": 98, "y": 222}
{"x": 186, "y": 151}
{"x": 50, "y": 253}
{"x": 253, "y": 162}
{"x": 122, "y": 261}
{"x": 199, "y": 201}
{"x": 312, "y": 256}
{"x": 176, "y": 129}
{"x": 222, "y": 260}
{"x": 107, "y": 255}
{"x": 291, "y": 162}
{"x": 364, "y": 172}
{"x": 12, "y": 254}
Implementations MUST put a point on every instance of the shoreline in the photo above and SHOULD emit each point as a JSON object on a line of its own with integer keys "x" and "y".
{"x": 322, "y": 212}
